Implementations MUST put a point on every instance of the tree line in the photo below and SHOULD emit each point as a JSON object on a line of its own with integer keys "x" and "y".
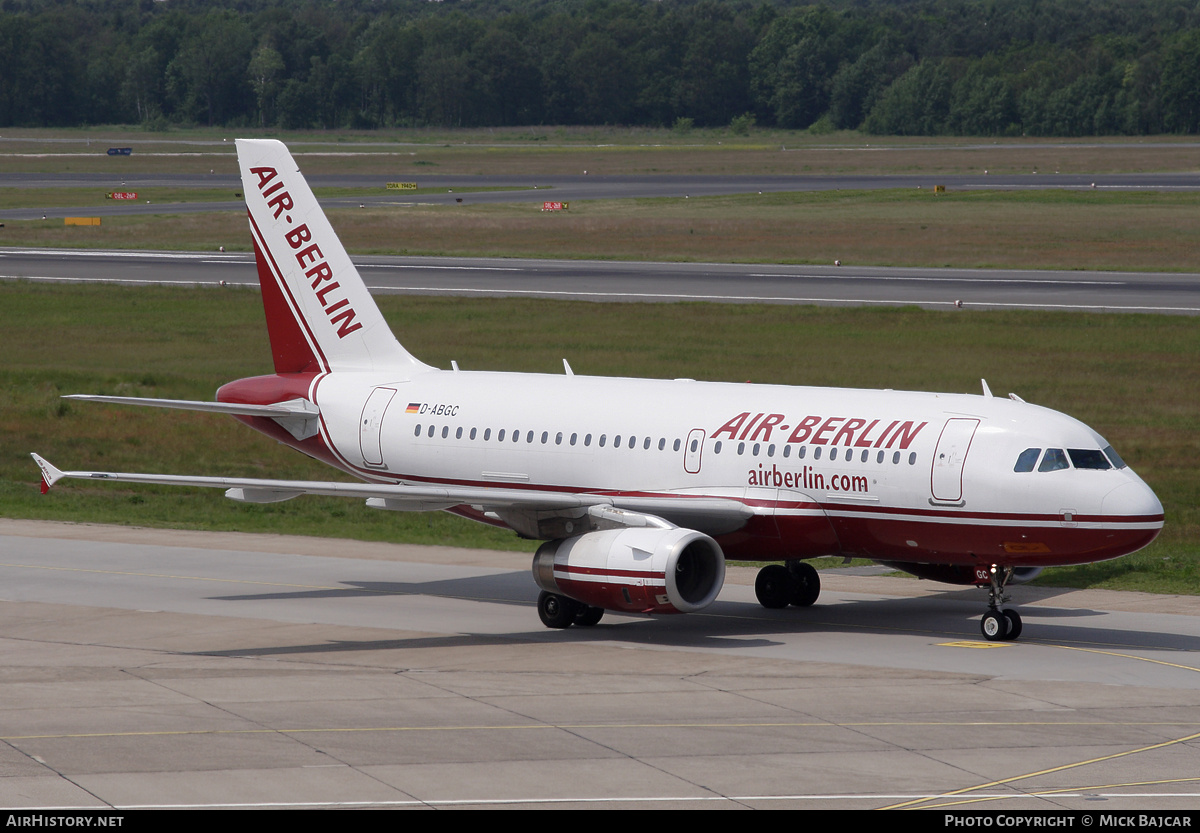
{"x": 912, "y": 67}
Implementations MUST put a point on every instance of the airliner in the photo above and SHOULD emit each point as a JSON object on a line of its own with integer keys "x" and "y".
{"x": 640, "y": 489}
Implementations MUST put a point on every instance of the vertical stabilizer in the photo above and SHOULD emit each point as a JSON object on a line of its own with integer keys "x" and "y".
{"x": 320, "y": 316}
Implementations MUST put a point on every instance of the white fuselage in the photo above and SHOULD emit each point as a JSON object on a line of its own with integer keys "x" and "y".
{"x": 891, "y": 475}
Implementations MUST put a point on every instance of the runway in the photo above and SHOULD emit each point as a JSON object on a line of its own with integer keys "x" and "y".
{"x": 448, "y": 189}
{"x": 148, "y": 668}
{"x": 629, "y": 281}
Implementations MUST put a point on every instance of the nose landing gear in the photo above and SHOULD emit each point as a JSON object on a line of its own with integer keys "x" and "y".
{"x": 1000, "y": 625}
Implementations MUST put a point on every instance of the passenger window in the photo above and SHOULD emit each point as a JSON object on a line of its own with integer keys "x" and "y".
{"x": 473, "y": 430}
{"x": 445, "y": 431}
{"x": 662, "y": 443}
{"x": 1054, "y": 460}
{"x": 803, "y": 450}
{"x": 587, "y": 440}
{"x": 865, "y": 455}
{"x": 603, "y": 437}
{"x": 817, "y": 453}
{"x": 632, "y": 442}
{"x": 500, "y": 436}
{"x": 417, "y": 433}
{"x": 756, "y": 448}
{"x": 741, "y": 449}
{"x": 558, "y": 438}
{"x": 771, "y": 450}
{"x": 529, "y": 437}
{"x": 695, "y": 445}
{"x": 879, "y": 459}
{"x": 717, "y": 447}
{"x": 787, "y": 451}
{"x": 458, "y": 433}
{"x": 912, "y": 459}
{"x": 646, "y": 444}
{"x": 430, "y": 431}
{"x": 1027, "y": 460}
{"x": 487, "y": 433}
{"x": 833, "y": 453}
{"x": 1088, "y": 458}
{"x": 545, "y": 436}
{"x": 896, "y": 458}
{"x": 574, "y": 437}
{"x": 676, "y": 445}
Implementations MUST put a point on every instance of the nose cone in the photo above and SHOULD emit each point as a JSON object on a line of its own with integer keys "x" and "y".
{"x": 1136, "y": 516}
{"x": 1133, "y": 498}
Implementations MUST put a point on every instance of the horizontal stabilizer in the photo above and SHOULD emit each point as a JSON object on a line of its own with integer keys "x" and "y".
{"x": 291, "y": 408}
{"x": 298, "y": 416}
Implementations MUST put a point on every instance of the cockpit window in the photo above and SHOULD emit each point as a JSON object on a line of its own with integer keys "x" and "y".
{"x": 1087, "y": 458}
{"x": 1114, "y": 457}
{"x": 1054, "y": 460}
{"x": 1027, "y": 460}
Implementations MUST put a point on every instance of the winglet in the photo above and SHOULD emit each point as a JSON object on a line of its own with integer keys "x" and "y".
{"x": 50, "y": 474}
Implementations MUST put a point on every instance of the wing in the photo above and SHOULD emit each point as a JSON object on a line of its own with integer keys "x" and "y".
{"x": 534, "y": 512}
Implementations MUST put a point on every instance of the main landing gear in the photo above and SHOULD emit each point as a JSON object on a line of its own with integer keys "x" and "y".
{"x": 796, "y": 584}
{"x": 557, "y": 611}
{"x": 999, "y": 625}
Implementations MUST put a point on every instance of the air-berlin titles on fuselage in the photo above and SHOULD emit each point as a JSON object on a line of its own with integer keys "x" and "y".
{"x": 851, "y": 432}
{"x": 848, "y": 431}
{"x": 311, "y": 260}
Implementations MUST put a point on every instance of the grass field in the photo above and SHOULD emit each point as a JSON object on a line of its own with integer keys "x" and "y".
{"x": 1134, "y": 378}
{"x": 1138, "y": 231}
{"x": 1152, "y": 231}
{"x": 599, "y": 150}
{"x": 166, "y": 197}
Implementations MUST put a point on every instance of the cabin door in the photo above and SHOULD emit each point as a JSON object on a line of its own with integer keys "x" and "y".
{"x": 950, "y": 457}
{"x": 370, "y": 426}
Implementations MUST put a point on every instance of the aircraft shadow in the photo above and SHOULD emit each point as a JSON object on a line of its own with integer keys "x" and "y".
{"x": 953, "y": 615}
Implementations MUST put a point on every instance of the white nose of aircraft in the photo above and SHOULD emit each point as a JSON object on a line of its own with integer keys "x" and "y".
{"x": 1133, "y": 497}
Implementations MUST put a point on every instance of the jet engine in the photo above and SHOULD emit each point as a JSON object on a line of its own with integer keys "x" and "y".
{"x": 960, "y": 573}
{"x": 638, "y": 569}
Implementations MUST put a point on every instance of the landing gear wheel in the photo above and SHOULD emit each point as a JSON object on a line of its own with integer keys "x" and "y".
{"x": 999, "y": 625}
{"x": 1014, "y": 624}
{"x": 774, "y": 587}
{"x": 588, "y": 616}
{"x": 806, "y": 581}
{"x": 556, "y": 611}
{"x": 994, "y": 626}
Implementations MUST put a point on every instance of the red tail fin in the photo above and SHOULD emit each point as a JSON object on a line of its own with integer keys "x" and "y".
{"x": 320, "y": 316}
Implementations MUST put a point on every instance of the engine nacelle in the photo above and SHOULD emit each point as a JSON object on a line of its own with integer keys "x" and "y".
{"x": 638, "y": 570}
{"x": 960, "y": 573}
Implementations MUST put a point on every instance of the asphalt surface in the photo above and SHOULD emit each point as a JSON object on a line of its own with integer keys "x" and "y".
{"x": 147, "y": 668}
{"x": 655, "y": 282}
{"x": 554, "y": 187}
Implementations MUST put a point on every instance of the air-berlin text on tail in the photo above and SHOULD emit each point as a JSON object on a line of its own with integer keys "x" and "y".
{"x": 309, "y": 257}
{"x": 818, "y": 430}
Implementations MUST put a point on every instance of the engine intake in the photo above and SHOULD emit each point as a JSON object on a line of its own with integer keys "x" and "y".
{"x": 638, "y": 570}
